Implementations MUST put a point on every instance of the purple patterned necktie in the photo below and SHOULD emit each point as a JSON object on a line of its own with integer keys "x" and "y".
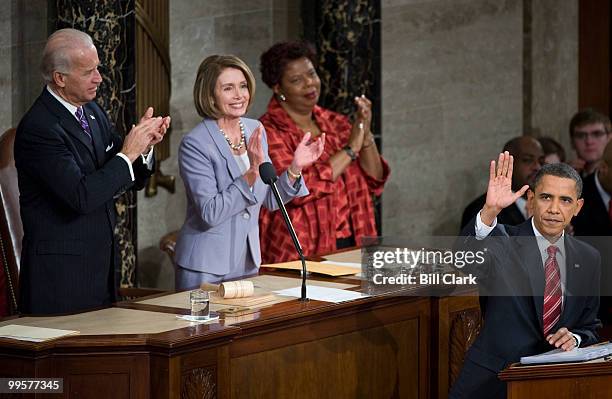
{"x": 83, "y": 120}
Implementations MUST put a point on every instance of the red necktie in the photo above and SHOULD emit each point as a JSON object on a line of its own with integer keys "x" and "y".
{"x": 552, "y": 291}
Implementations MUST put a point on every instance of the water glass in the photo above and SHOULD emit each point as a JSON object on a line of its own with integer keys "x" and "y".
{"x": 200, "y": 304}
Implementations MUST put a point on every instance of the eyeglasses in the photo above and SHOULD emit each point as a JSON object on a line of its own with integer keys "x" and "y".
{"x": 595, "y": 134}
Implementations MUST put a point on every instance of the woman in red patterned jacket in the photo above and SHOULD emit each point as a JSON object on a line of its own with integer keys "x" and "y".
{"x": 338, "y": 212}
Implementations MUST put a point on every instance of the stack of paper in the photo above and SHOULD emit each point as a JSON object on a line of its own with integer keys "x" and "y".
{"x": 32, "y": 334}
{"x": 575, "y": 355}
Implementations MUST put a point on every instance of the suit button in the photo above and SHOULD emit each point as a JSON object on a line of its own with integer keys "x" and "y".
{"x": 246, "y": 216}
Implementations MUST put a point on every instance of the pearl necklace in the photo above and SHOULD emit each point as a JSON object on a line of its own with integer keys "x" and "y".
{"x": 235, "y": 147}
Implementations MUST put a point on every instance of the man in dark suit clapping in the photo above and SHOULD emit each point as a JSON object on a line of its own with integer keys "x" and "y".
{"x": 543, "y": 285}
{"x": 71, "y": 166}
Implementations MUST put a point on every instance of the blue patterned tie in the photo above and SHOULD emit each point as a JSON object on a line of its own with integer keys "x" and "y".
{"x": 83, "y": 120}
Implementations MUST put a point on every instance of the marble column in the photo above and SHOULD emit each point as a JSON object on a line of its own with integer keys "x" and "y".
{"x": 111, "y": 25}
{"x": 346, "y": 34}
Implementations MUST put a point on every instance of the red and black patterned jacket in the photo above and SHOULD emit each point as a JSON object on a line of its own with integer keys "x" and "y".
{"x": 334, "y": 209}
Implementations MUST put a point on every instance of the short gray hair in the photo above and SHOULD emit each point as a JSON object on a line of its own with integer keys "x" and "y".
{"x": 56, "y": 55}
{"x": 559, "y": 170}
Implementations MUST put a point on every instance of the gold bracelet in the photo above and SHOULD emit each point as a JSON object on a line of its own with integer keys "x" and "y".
{"x": 292, "y": 175}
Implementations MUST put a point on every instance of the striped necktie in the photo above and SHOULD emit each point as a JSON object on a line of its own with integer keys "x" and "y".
{"x": 83, "y": 121}
{"x": 552, "y": 291}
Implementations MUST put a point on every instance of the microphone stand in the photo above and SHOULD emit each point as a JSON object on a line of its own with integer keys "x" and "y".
{"x": 296, "y": 242}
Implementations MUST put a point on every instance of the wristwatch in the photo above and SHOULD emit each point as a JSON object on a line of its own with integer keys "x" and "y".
{"x": 350, "y": 152}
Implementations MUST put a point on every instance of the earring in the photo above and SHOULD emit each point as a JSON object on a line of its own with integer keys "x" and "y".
{"x": 282, "y": 97}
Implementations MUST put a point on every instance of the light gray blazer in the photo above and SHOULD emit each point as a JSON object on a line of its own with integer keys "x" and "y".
{"x": 222, "y": 212}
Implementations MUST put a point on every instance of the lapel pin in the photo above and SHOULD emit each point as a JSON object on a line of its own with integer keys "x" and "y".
{"x": 576, "y": 265}
{"x": 92, "y": 117}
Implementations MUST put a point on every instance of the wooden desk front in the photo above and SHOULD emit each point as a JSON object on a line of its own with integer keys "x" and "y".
{"x": 560, "y": 381}
{"x": 373, "y": 347}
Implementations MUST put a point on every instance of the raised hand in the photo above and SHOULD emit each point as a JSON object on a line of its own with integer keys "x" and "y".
{"x": 499, "y": 190}
{"x": 307, "y": 152}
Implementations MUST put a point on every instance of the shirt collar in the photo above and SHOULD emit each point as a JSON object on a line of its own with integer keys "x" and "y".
{"x": 605, "y": 197}
{"x": 543, "y": 243}
{"x": 71, "y": 108}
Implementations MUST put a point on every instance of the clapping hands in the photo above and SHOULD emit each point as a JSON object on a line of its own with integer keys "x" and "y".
{"x": 307, "y": 152}
{"x": 142, "y": 137}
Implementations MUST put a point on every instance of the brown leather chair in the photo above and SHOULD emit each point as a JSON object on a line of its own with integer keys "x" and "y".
{"x": 11, "y": 229}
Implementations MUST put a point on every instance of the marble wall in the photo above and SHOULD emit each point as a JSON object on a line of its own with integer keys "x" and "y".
{"x": 23, "y": 31}
{"x": 242, "y": 27}
{"x": 554, "y": 68}
{"x": 452, "y": 96}
{"x": 460, "y": 78}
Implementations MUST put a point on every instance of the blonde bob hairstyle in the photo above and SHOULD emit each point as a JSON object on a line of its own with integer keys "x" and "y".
{"x": 206, "y": 80}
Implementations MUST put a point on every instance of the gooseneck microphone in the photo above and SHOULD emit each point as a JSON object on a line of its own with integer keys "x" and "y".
{"x": 268, "y": 176}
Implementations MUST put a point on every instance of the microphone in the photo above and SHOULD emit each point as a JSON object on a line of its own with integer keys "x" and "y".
{"x": 268, "y": 176}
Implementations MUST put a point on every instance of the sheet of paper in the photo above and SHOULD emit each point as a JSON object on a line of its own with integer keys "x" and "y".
{"x": 353, "y": 256}
{"x": 345, "y": 264}
{"x": 324, "y": 294}
{"x": 33, "y": 334}
{"x": 575, "y": 355}
{"x": 333, "y": 270}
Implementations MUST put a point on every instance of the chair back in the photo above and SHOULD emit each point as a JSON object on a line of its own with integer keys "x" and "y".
{"x": 11, "y": 229}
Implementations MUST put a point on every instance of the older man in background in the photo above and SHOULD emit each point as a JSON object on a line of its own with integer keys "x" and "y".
{"x": 71, "y": 166}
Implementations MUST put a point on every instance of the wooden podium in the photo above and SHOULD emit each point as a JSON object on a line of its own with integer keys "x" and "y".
{"x": 389, "y": 346}
{"x": 560, "y": 381}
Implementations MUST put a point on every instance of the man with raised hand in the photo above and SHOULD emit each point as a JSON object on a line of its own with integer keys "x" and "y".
{"x": 543, "y": 284}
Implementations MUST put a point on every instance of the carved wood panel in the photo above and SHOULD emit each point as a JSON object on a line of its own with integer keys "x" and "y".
{"x": 199, "y": 383}
{"x": 464, "y": 329}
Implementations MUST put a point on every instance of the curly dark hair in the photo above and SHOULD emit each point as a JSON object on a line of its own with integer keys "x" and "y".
{"x": 275, "y": 59}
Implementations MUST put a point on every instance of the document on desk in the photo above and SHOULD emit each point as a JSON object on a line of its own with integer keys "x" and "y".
{"x": 33, "y": 334}
{"x": 324, "y": 294}
{"x": 575, "y": 355}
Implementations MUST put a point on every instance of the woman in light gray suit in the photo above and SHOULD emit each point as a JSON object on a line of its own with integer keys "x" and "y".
{"x": 219, "y": 163}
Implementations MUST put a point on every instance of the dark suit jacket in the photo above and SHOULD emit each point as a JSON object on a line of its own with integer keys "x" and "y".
{"x": 593, "y": 219}
{"x": 593, "y": 226}
{"x": 512, "y": 325}
{"x": 67, "y": 188}
{"x": 510, "y": 216}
